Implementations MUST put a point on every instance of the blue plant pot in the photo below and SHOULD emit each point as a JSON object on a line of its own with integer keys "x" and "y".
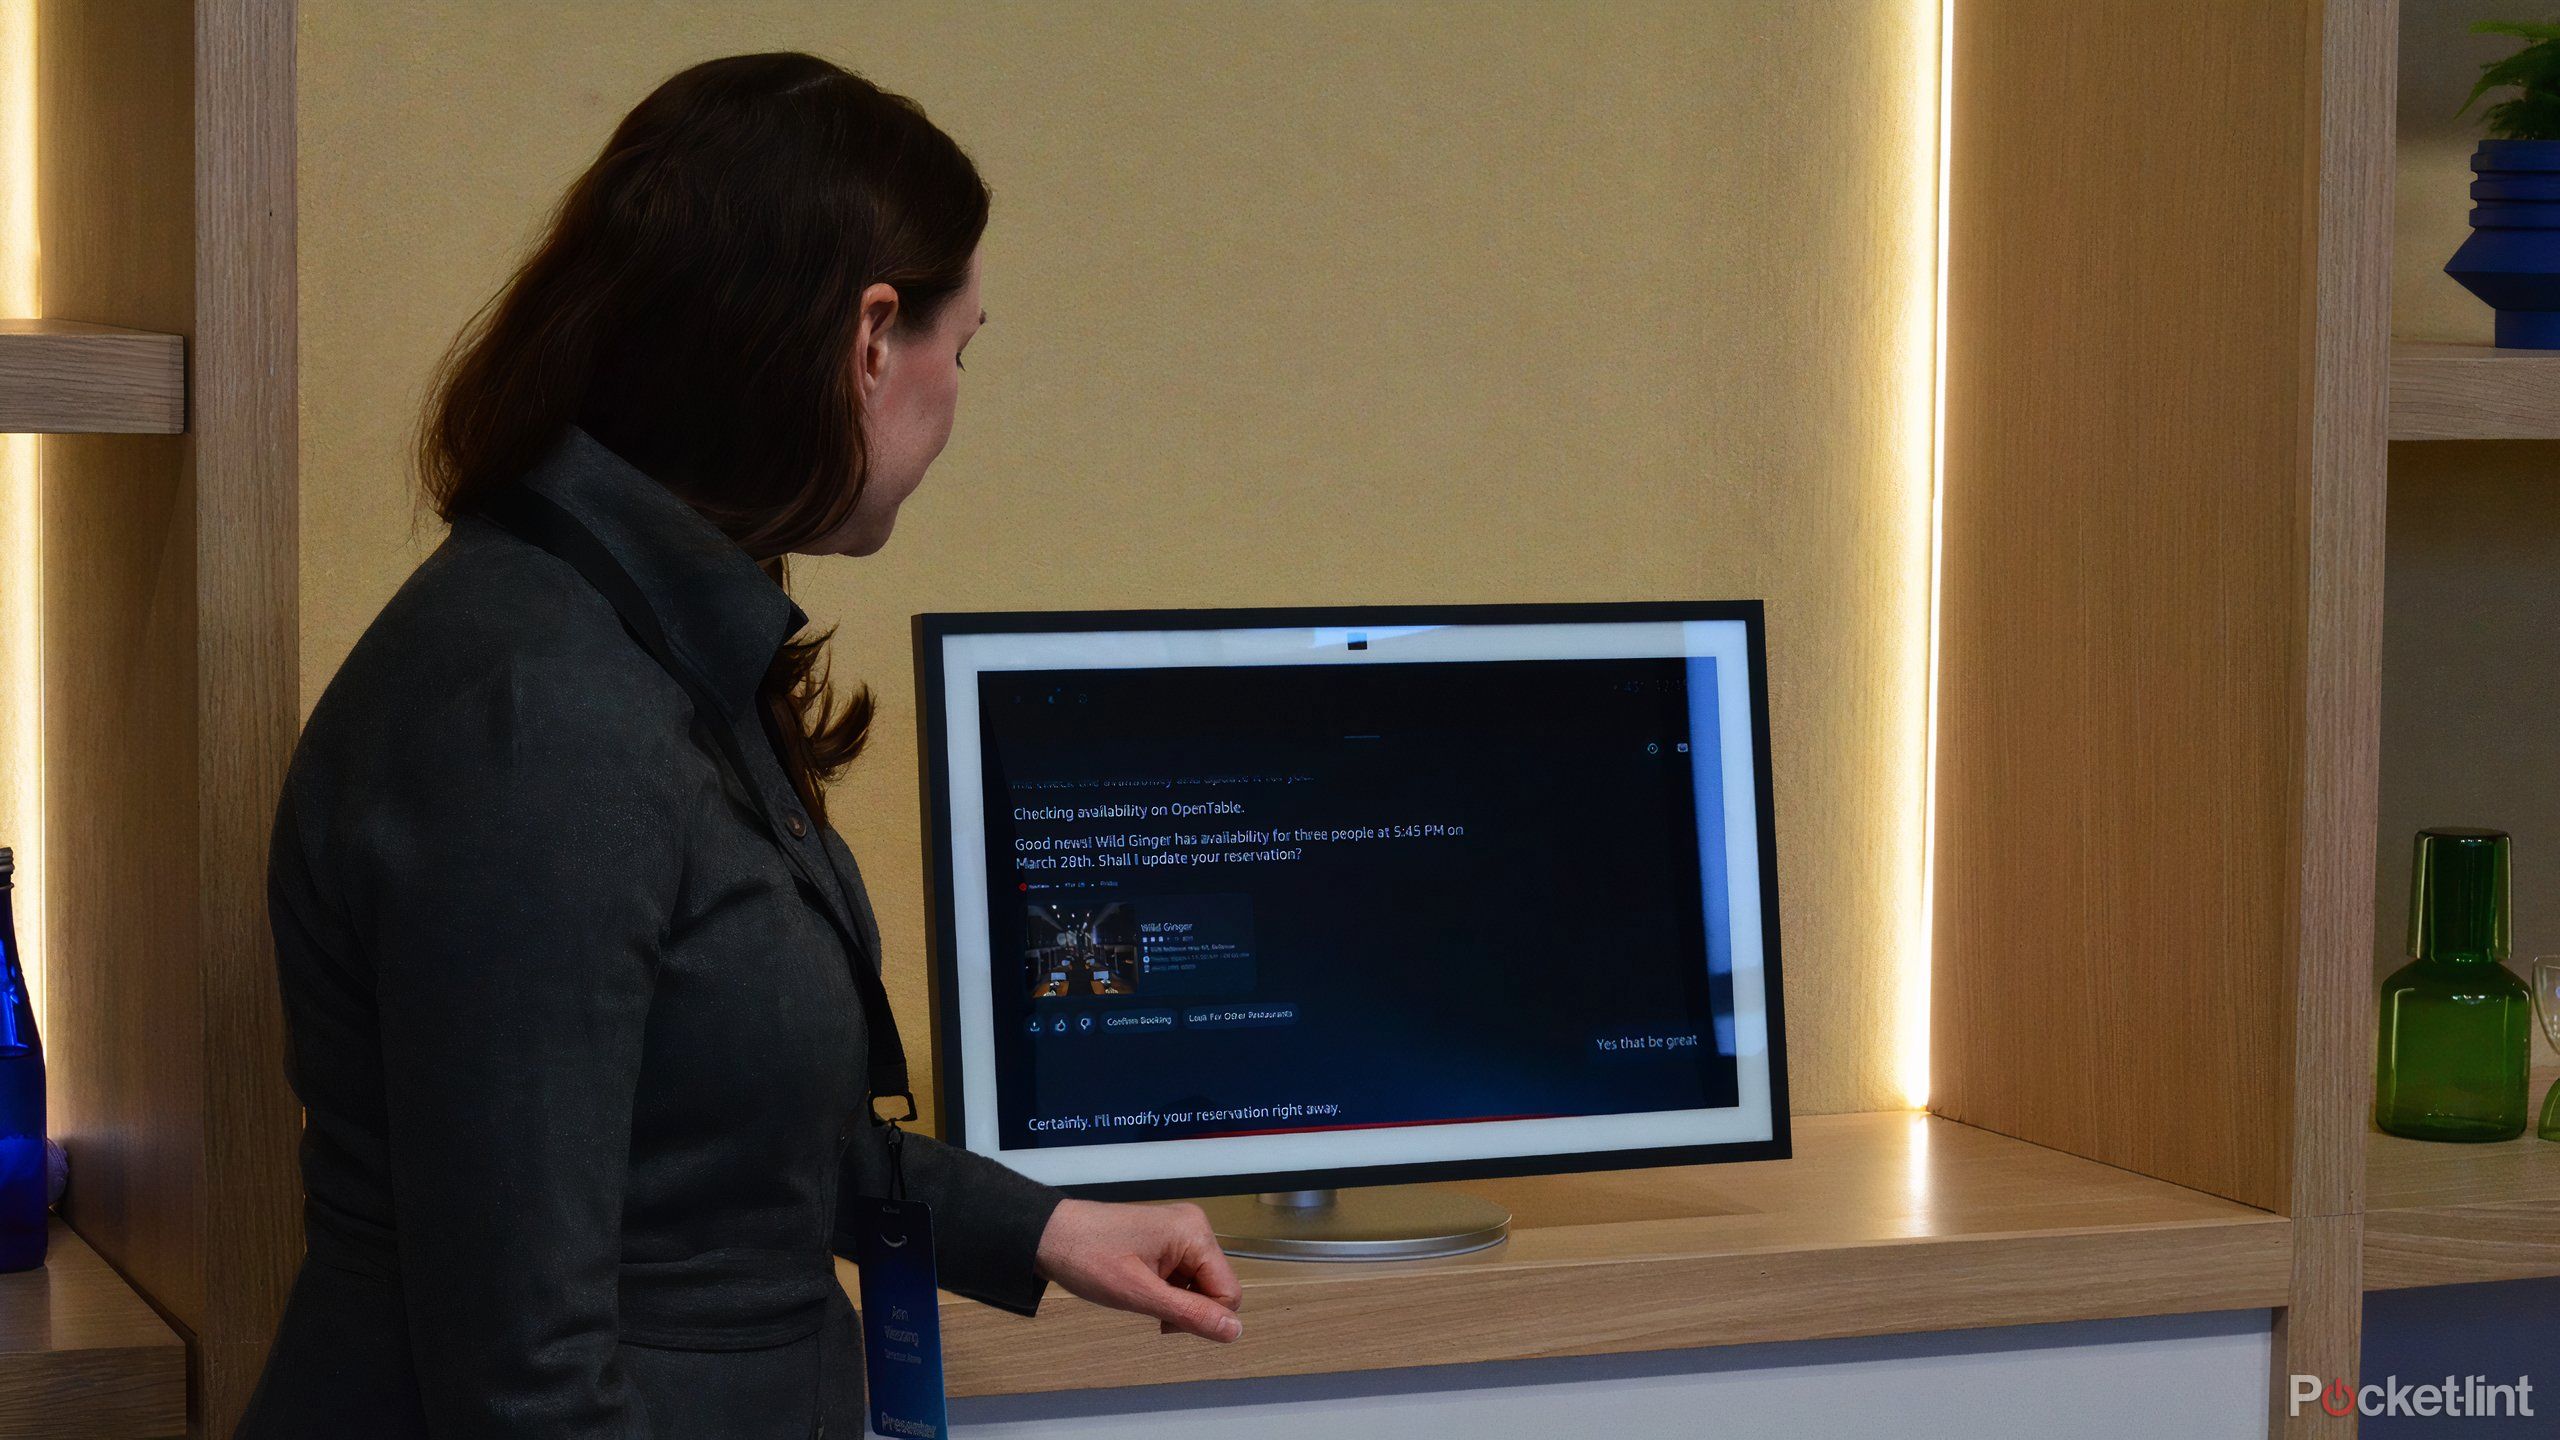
{"x": 2512, "y": 260}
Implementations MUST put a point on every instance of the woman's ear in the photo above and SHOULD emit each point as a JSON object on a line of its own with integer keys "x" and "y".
{"x": 878, "y": 316}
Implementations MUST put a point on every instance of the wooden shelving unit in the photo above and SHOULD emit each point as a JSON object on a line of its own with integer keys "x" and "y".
{"x": 167, "y": 166}
{"x": 1882, "y": 1224}
{"x": 64, "y": 377}
{"x": 2445, "y": 1214}
{"x": 2160, "y": 631}
{"x": 2455, "y": 1214}
{"x": 82, "y": 1357}
{"x": 2444, "y": 391}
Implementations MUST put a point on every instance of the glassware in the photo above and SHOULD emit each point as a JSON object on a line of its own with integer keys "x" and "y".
{"x": 23, "y": 1177}
{"x": 2546, "y": 1003}
{"x": 2456, "y": 1038}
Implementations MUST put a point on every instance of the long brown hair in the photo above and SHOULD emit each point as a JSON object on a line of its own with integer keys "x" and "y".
{"x": 693, "y": 305}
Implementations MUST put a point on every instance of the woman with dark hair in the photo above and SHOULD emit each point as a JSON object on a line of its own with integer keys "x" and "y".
{"x": 582, "y": 991}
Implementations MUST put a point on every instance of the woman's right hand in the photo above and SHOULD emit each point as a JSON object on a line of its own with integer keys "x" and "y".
{"x": 1155, "y": 1260}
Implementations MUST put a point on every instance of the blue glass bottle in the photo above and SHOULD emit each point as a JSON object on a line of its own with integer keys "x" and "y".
{"x": 22, "y": 1160}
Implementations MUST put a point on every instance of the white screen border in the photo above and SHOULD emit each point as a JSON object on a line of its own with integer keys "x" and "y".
{"x": 965, "y": 656}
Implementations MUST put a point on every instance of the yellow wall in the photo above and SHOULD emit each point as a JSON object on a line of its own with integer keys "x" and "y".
{"x": 1291, "y": 303}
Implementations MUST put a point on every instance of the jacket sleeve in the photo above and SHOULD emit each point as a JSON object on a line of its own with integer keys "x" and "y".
{"x": 522, "y": 871}
{"x": 986, "y": 1219}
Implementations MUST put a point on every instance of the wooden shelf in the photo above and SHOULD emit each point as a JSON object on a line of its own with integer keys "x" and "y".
{"x": 2455, "y": 1214}
{"x": 81, "y": 1357}
{"x": 64, "y": 377}
{"x": 1883, "y": 1223}
{"x": 2442, "y": 391}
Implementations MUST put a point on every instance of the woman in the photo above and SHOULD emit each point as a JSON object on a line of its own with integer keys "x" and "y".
{"x": 581, "y": 988}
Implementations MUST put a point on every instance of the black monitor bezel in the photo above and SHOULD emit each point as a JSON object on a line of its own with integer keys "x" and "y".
{"x": 941, "y": 915}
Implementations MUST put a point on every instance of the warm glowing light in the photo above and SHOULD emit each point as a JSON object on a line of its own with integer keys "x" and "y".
{"x": 1911, "y": 1001}
{"x": 18, "y": 158}
{"x": 21, "y": 770}
{"x": 1915, "y": 1163}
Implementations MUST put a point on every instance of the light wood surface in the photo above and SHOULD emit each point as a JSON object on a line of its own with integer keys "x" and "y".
{"x": 2455, "y": 1214}
{"x": 2339, "y": 674}
{"x": 2345, "y": 506}
{"x": 125, "y": 1042}
{"x": 2169, "y": 405}
{"x": 2321, "y": 1329}
{"x": 69, "y": 377}
{"x": 2445, "y": 391}
{"x": 247, "y": 671}
{"x": 1882, "y": 1223}
{"x": 2123, "y": 581}
{"x": 81, "y": 1357}
{"x": 170, "y": 610}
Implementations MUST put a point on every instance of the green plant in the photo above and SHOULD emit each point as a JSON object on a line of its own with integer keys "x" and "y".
{"x": 2534, "y": 71}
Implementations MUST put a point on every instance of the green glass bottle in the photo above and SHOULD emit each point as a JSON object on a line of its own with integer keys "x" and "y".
{"x": 2457, "y": 1035}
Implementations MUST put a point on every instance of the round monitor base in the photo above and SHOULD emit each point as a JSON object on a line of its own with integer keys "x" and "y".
{"x": 1378, "y": 1222}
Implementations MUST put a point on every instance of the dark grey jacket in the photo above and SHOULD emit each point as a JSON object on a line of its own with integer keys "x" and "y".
{"x": 581, "y": 1052}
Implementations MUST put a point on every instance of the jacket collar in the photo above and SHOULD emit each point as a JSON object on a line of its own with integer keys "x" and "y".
{"x": 718, "y": 608}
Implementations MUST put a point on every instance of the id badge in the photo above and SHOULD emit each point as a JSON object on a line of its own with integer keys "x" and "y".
{"x": 901, "y": 1317}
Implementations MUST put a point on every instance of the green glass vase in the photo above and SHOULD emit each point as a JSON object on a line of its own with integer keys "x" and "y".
{"x": 2457, "y": 1027}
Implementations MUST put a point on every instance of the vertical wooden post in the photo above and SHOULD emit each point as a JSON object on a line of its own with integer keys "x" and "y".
{"x": 2345, "y": 483}
{"x": 247, "y": 670}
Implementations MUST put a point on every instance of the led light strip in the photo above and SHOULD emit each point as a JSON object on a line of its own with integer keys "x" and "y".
{"x": 21, "y": 560}
{"x": 1912, "y": 1003}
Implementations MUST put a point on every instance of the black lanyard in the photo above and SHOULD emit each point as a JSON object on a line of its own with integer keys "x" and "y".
{"x": 538, "y": 520}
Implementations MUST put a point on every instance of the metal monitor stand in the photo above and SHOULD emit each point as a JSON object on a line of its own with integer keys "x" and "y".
{"x": 1378, "y": 1222}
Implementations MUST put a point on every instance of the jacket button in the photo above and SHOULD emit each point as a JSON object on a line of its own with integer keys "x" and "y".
{"x": 797, "y": 826}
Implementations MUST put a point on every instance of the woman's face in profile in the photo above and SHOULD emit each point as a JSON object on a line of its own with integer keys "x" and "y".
{"x": 910, "y": 386}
